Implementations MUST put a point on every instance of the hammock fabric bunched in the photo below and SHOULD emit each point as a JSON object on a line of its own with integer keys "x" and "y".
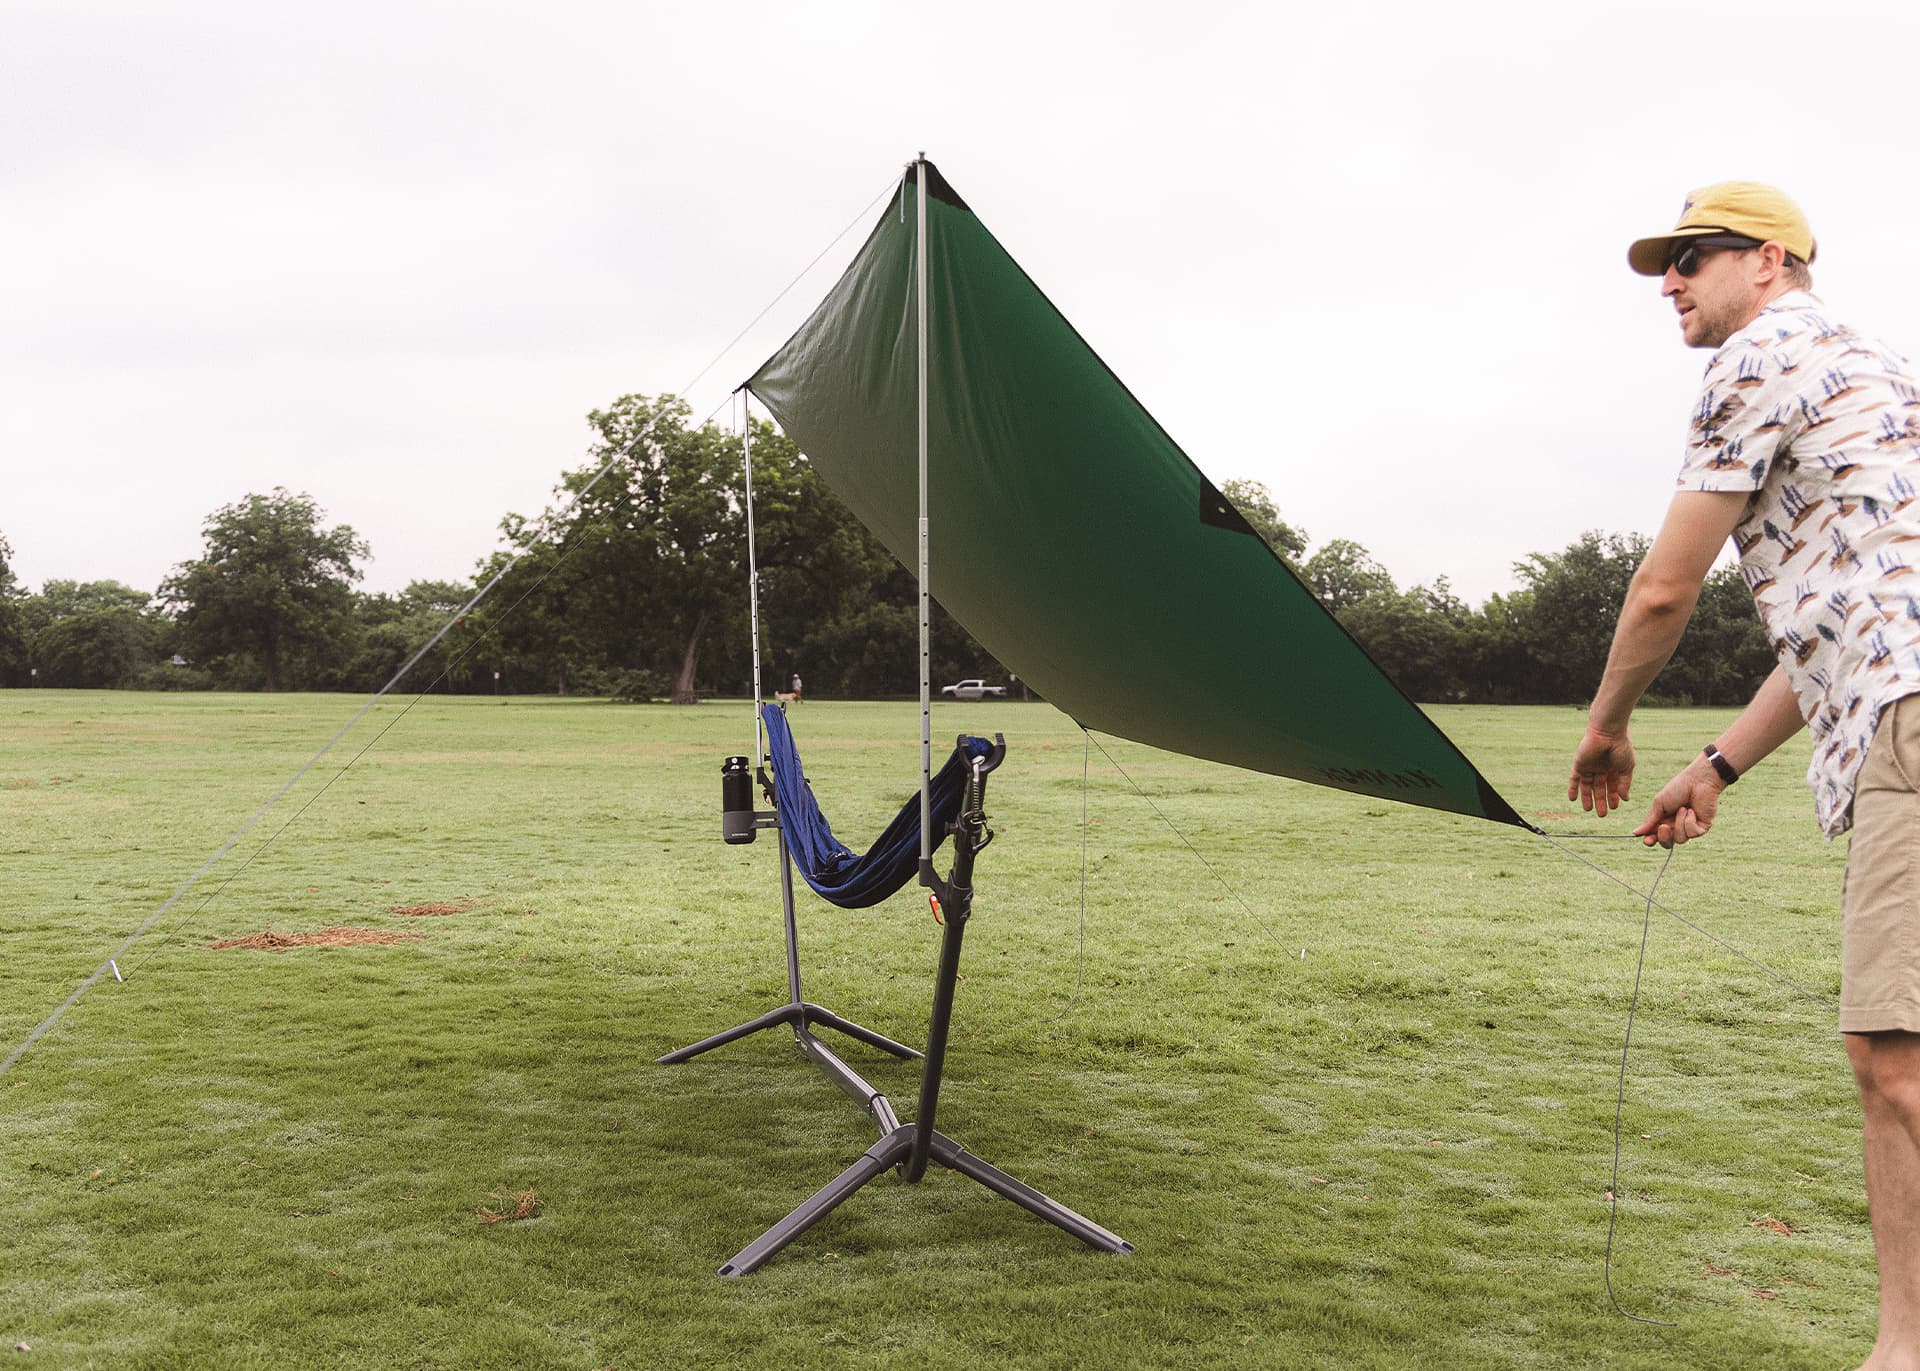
{"x": 829, "y": 865}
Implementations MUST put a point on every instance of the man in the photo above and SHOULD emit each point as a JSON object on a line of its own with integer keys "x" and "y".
{"x": 1805, "y": 448}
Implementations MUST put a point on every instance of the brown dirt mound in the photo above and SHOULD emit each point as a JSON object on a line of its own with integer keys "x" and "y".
{"x": 415, "y": 911}
{"x": 269, "y": 941}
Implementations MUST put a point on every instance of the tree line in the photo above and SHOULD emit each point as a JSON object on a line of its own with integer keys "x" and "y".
{"x": 635, "y": 591}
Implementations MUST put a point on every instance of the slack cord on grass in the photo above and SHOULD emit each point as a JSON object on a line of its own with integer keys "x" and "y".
{"x": 1633, "y": 1005}
{"x": 112, "y": 964}
{"x": 1620, "y": 1101}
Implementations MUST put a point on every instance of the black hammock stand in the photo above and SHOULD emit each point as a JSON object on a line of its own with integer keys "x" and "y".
{"x": 958, "y": 795}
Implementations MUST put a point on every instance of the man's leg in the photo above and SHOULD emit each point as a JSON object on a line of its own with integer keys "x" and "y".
{"x": 1886, "y": 1067}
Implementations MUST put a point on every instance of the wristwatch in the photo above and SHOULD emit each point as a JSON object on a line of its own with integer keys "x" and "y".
{"x": 1720, "y": 764}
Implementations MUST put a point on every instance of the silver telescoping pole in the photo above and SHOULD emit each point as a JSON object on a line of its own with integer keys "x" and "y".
{"x": 753, "y": 566}
{"x": 926, "y": 629}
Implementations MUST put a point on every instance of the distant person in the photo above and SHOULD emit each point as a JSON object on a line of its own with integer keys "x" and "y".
{"x": 1805, "y": 448}
{"x": 798, "y": 690}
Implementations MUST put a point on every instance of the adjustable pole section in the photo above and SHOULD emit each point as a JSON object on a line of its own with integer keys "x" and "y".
{"x": 956, "y": 906}
{"x": 753, "y": 567}
{"x": 926, "y": 618}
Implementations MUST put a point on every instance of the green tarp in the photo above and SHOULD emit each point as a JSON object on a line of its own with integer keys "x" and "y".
{"x": 1070, "y": 534}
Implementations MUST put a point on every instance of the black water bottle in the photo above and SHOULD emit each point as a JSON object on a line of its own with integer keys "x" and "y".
{"x": 736, "y": 802}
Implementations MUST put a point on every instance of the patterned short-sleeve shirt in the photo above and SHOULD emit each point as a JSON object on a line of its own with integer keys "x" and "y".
{"x": 1822, "y": 425}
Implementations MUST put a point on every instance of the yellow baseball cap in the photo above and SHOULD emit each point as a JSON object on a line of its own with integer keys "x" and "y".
{"x": 1744, "y": 207}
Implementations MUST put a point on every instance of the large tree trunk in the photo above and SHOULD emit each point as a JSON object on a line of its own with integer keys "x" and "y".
{"x": 689, "y": 660}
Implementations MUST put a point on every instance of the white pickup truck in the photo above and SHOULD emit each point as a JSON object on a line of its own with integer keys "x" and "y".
{"x": 974, "y": 690}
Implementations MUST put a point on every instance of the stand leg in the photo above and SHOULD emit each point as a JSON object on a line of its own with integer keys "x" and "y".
{"x": 786, "y": 1013}
{"x": 826, "y": 1018}
{"x": 873, "y": 1162}
{"x": 949, "y": 1153}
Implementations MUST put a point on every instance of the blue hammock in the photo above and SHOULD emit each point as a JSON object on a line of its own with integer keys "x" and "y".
{"x": 829, "y": 865}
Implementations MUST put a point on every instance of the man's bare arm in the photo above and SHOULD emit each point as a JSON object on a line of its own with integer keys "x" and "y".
{"x": 1659, "y": 603}
{"x": 1685, "y": 807}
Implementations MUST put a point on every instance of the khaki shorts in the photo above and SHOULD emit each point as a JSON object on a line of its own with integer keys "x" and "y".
{"x": 1880, "y": 908}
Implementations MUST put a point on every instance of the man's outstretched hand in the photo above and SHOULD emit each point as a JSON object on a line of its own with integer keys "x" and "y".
{"x": 1602, "y": 771}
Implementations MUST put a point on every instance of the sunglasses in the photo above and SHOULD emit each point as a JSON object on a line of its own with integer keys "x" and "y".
{"x": 1691, "y": 256}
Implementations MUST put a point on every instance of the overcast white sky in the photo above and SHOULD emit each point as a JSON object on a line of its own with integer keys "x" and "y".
{"x": 391, "y": 254}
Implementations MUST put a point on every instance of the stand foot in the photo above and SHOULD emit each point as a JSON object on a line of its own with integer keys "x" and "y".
{"x": 892, "y": 1150}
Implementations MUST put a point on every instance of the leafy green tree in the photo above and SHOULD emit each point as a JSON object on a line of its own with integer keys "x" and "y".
{"x": 1498, "y": 665}
{"x": 527, "y": 621}
{"x": 1576, "y": 599}
{"x": 647, "y": 568}
{"x": 1566, "y": 614}
{"x": 1343, "y": 573}
{"x": 644, "y": 578}
{"x": 62, "y": 599}
{"x": 1421, "y": 637}
{"x": 819, "y": 567}
{"x": 13, "y": 644}
{"x": 385, "y": 631}
{"x": 1255, "y": 503}
{"x": 640, "y": 567}
{"x": 92, "y": 633}
{"x": 866, "y": 652}
{"x": 272, "y": 585}
{"x": 870, "y": 650}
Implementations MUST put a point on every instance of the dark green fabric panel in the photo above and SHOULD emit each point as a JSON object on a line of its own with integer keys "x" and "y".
{"x": 1073, "y": 537}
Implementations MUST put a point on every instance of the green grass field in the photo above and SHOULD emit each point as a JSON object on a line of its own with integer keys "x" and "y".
{"x": 1375, "y": 1132}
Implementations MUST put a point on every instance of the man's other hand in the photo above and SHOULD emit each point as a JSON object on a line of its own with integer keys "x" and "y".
{"x": 1685, "y": 807}
{"x": 1602, "y": 771}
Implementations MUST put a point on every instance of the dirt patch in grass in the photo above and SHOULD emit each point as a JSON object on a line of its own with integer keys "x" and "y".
{"x": 420, "y": 911}
{"x": 267, "y": 940}
{"x": 438, "y": 908}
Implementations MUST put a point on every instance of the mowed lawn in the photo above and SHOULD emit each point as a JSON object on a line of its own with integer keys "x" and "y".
{"x": 1348, "y": 1085}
